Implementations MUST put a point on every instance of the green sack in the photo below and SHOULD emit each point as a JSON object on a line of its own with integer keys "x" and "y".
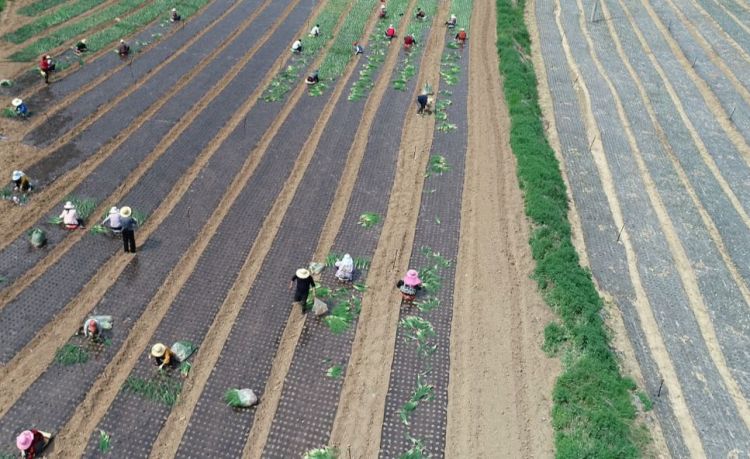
{"x": 38, "y": 237}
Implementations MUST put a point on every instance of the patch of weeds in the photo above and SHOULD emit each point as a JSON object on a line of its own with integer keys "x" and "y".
{"x": 648, "y": 405}
{"x": 39, "y": 6}
{"x": 139, "y": 216}
{"x": 9, "y": 113}
{"x": 555, "y": 336}
{"x": 6, "y": 193}
{"x": 104, "y": 442}
{"x": 328, "y": 452}
{"x": 335, "y": 372}
{"x": 369, "y": 219}
{"x": 98, "y": 229}
{"x": 446, "y": 127}
{"x": 417, "y": 450}
{"x": 71, "y": 354}
{"x": 158, "y": 388}
{"x": 423, "y": 392}
{"x": 439, "y": 165}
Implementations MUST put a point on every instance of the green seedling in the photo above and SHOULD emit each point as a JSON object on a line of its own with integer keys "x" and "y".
{"x": 104, "y": 442}
{"x": 71, "y": 354}
{"x": 417, "y": 450}
{"x": 439, "y": 165}
{"x": 423, "y": 392}
{"x": 361, "y": 263}
{"x": 331, "y": 259}
{"x": 428, "y": 304}
{"x": 185, "y": 368}
{"x": 159, "y": 388}
{"x": 6, "y": 193}
{"x": 9, "y": 113}
{"x": 340, "y": 318}
{"x": 38, "y": 7}
{"x": 369, "y": 219}
{"x": 360, "y": 287}
{"x": 317, "y": 89}
{"x": 98, "y": 229}
{"x": 327, "y": 452}
{"x": 335, "y": 372}
{"x": 322, "y": 292}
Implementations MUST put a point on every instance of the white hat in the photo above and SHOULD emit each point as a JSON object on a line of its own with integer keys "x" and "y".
{"x": 69, "y": 205}
{"x": 158, "y": 350}
{"x": 302, "y": 273}
{"x": 16, "y": 102}
{"x": 114, "y": 210}
{"x": 17, "y": 175}
{"x": 125, "y": 211}
{"x": 174, "y": 9}
{"x": 122, "y": 40}
{"x": 83, "y": 41}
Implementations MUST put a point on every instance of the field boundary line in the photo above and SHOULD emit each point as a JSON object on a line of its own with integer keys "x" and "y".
{"x": 26, "y": 361}
{"x": 683, "y": 265}
{"x": 648, "y": 321}
{"x": 25, "y": 280}
{"x": 358, "y": 422}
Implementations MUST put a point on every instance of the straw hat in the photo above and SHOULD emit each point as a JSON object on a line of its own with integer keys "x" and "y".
{"x": 16, "y": 175}
{"x": 24, "y": 440}
{"x": 16, "y": 102}
{"x": 69, "y": 205}
{"x": 114, "y": 210}
{"x": 302, "y": 273}
{"x": 122, "y": 41}
{"x": 412, "y": 277}
{"x": 125, "y": 211}
{"x": 174, "y": 10}
{"x": 83, "y": 41}
{"x": 158, "y": 350}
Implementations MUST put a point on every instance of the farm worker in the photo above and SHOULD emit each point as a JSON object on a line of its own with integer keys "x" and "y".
{"x": 162, "y": 355}
{"x": 304, "y": 282}
{"x": 128, "y": 225}
{"x": 123, "y": 49}
{"x": 297, "y": 46}
{"x": 70, "y": 217}
{"x": 315, "y": 31}
{"x": 410, "y": 285}
{"x": 345, "y": 268}
{"x": 409, "y": 41}
{"x": 20, "y": 107}
{"x": 451, "y": 23}
{"x": 32, "y": 442}
{"x": 422, "y": 100}
{"x": 420, "y": 14}
{"x": 114, "y": 220}
{"x": 81, "y": 47}
{"x": 358, "y": 49}
{"x": 461, "y": 36}
{"x": 175, "y": 16}
{"x": 46, "y": 66}
{"x": 91, "y": 328}
{"x": 21, "y": 181}
{"x": 312, "y": 78}
{"x": 390, "y": 32}
{"x": 383, "y": 13}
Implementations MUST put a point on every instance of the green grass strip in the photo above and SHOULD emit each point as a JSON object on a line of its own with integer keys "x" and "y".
{"x": 342, "y": 50}
{"x": 407, "y": 69}
{"x": 290, "y": 76}
{"x": 592, "y": 414}
{"x": 59, "y": 16}
{"x": 2, "y": 5}
{"x": 158, "y": 388}
{"x": 39, "y": 7}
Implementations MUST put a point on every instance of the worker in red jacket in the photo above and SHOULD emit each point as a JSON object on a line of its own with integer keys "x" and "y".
{"x": 46, "y": 66}
{"x": 390, "y": 32}
{"x": 409, "y": 41}
{"x": 461, "y": 36}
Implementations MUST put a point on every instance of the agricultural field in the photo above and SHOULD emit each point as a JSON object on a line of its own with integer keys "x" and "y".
{"x": 239, "y": 174}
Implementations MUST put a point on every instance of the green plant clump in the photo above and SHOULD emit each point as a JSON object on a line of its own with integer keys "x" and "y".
{"x": 368, "y": 219}
{"x": 423, "y": 392}
{"x": 335, "y": 372}
{"x": 39, "y": 6}
{"x": 104, "y": 441}
{"x": 407, "y": 69}
{"x": 327, "y": 452}
{"x": 592, "y": 414}
{"x": 71, "y": 354}
{"x": 59, "y": 16}
{"x": 159, "y": 388}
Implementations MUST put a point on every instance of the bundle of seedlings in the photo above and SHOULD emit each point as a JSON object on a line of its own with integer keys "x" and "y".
{"x": 240, "y": 398}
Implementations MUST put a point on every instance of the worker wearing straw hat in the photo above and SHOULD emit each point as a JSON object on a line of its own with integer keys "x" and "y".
{"x": 304, "y": 282}
{"x": 174, "y": 15}
{"x": 128, "y": 224}
{"x": 162, "y": 355}
{"x": 20, "y": 107}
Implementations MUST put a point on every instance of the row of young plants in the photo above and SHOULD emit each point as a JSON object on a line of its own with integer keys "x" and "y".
{"x": 593, "y": 414}
{"x": 341, "y": 51}
{"x": 450, "y": 69}
{"x": 290, "y": 76}
{"x": 39, "y": 7}
{"x": 121, "y": 28}
{"x": 376, "y": 51}
{"x": 43, "y": 23}
{"x": 416, "y": 27}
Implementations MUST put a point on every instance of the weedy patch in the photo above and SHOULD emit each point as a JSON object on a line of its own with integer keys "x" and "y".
{"x": 71, "y": 354}
{"x": 369, "y": 219}
{"x": 104, "y": 442}
{"x": 158, "y": 388}
{"x": 335, "y": 372}
{"x": 327, "y": 452}
{"x": 422, "y": 393}
{"x": 439, "y": 165}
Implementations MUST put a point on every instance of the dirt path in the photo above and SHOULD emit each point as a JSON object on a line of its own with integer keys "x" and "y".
{"x": 499, "y": 396}
{"x": 359, "y": 418}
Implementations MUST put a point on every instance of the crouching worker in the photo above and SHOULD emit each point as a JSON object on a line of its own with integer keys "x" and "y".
{"x": 94, "y": 326}
{"x": 123, "y": 49}
{"x": 175, "y": 16}
{"x": 383, "y": 13}
{"x": 409, "y": 286}
{"x": 312, "y": 78}
{"x": 115, "y": 225}
{"x": 358, "y": 49}
{"x": 81, "y": 47}
{"x": 409, "y": 41}
{"x": 20, "y": 108}
{"x": 46, "y": 67}
{"x": 32, "y": 442}
{"x": 70, "y": 218}
{"x": 163, "y": 356}
{"x": 390, "y": 32}
{"x": 21, "y": 182}
{"x": 451, "y": 23}
{"x": 345, "y": 270}
{"x": 297, "y": 47}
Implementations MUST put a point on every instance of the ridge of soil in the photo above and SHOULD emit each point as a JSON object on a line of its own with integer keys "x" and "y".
{"x": 28, "y": 365}
{"x": 361, "y": 408}
{"x": 499, "y": 316}
{"x": 128, "y": 183}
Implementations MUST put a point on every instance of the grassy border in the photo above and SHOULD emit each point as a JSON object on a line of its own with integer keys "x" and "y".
{"x": 593, "y": 414}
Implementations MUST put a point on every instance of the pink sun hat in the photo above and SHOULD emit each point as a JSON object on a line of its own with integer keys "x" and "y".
{"x": 24, "y": 440}
{"x": 412, "y": 277}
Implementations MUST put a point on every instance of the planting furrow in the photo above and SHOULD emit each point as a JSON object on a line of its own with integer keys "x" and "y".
{"x": 703, "y": 244}
{"x": 421, "y": 426}
{"x": 130, "y": 416}
{"x": 19, "y": 258}
{"x": 668, "y": 279}
{"x": 154, "y": 185}
{"x": 295, "y": 430}
{"x": 611, "y": 268}
{"x": 173, "y": 237}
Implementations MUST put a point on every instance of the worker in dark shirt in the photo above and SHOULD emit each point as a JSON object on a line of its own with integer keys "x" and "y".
{"x": 32, "y": 442}
{"x": 304, "y": 282}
